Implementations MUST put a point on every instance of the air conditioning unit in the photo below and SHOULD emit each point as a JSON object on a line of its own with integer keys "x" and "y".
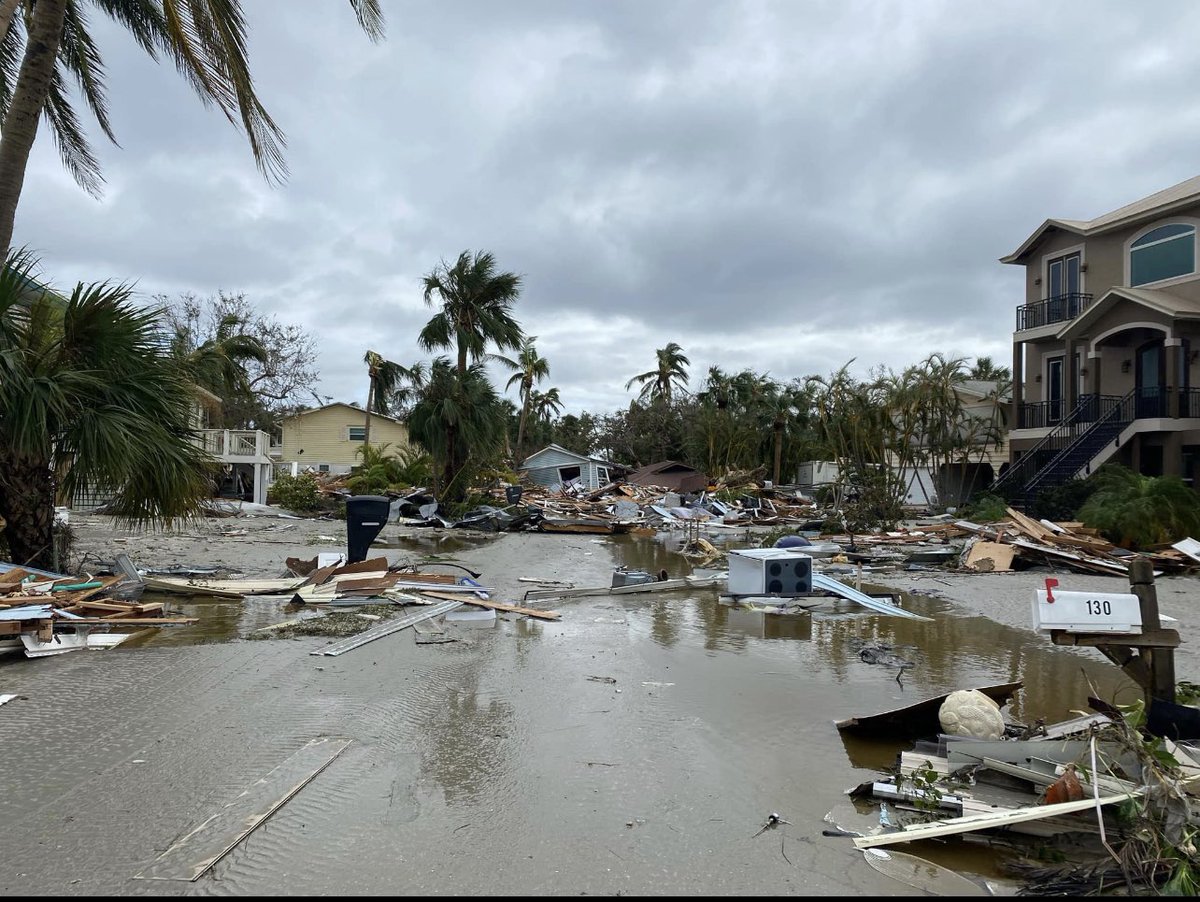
{"x": 769, "y": 571}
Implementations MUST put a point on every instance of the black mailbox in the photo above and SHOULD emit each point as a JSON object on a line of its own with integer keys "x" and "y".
{"x": 365, "y": 517}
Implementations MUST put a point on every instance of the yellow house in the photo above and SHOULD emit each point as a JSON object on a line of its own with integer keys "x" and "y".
{"x": 327, "y": 439}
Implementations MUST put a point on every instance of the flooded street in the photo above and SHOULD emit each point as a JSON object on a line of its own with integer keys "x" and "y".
{"x": 635, "y": 746}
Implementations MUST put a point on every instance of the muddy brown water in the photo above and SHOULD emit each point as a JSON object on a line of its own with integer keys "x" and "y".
{"x": 497, "y": 765}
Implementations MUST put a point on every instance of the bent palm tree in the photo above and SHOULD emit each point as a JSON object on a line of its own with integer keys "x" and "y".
{"x": 671, "y": 372}
{"x": 530, "y": 368}
{"x": 91, "y": 398}
{"x": 44, "y": 44}
{"x": 389, "y": 383}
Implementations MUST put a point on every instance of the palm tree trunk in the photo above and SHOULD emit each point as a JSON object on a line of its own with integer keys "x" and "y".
{"x": 370, "y": 401}
{"x": 27, "y": 506}
{"x": 29, "y": 97}
{"x": 521, "y": 425}
{"x": 778, "y": 452}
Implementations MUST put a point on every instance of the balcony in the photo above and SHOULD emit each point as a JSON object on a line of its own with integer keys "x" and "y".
{"x": 1148, "y": 403}
{"x": 235, "y": 445}
{"x": 1060, "y": 309}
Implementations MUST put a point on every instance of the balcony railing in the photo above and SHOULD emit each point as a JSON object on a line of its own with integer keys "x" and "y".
{"x": 1147, "y": 403}
{"x": 1058, "y": 309}
{"x": 226, "y": 444}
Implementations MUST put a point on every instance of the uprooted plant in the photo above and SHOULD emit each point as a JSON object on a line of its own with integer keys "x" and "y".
{"x": 1155, "y": 849}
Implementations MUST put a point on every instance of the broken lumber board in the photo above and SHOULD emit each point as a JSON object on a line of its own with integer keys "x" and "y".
{"x": 209, "y": 841}
{"x": 1108, "y": 567}
{"x": 130, "y": 621}
{"x": 971, "y": 823}
{"x": 179, "y": 587}
{"x": 990, "y": 557}
{"x": 386, "y": 629}
{"x": 497, "y": 605}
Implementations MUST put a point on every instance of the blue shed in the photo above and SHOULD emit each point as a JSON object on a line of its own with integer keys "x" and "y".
{"x": 555, "y": 465}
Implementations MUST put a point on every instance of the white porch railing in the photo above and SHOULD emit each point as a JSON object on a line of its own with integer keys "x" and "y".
{"x": 235, "y": 445}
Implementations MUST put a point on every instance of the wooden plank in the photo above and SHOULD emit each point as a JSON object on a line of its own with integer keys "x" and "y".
{"x": 495, "y": 605}
{"x": 368, "y": 566}
{"x": 209, "y": 841}
{"x": 136, "y": 621}
{"x": 1148, "y": 639}
{"x": 108, "y": 607}
{"x": 990, "y": 557}
{"x": 971, "y": 823}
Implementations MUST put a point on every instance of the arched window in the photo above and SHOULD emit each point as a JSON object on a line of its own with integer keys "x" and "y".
{"x": 1163, "y": 253}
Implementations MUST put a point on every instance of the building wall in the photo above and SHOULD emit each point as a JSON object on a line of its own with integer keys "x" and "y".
{"x": 543, "y": 468}
{"x": 323, "y": 435}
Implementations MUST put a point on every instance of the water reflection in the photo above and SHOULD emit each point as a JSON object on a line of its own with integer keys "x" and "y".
{"x": 950, "y": 651}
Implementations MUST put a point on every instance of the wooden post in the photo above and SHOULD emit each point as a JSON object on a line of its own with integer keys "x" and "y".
{"x": 1160, "y": 661}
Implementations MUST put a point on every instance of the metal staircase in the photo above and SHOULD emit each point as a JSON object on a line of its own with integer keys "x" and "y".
{"x": 1094, "y": 422}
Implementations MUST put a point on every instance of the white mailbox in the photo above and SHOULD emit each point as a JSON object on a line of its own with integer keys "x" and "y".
{"x": 1086, "y": 612}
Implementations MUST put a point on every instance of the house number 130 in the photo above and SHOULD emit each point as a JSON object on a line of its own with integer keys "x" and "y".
{"x": 1096, "y": 608}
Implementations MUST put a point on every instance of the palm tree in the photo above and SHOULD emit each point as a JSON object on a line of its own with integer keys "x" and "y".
{"x": 530, "y": 368}
{"x": 476, "y": 308}
{"x": 219, "y": 364}
{"x": 382, "y": 378}
{"x": 457, "y": 420}
{"x": 670, "y": 372}
{"x": 986, "y": 370}
{"x": 205, "y": 39}
{"x": 545, "y": 404}
{"x": 91, "y": 399}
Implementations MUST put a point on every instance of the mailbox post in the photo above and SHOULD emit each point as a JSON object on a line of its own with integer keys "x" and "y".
{"x": 1126, "y": 629}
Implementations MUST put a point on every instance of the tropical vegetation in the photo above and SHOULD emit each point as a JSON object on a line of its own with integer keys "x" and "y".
{"x": 1136, "y": 511}
{"x": 93, "y": 399}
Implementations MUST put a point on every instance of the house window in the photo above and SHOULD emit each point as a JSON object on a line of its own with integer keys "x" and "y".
{"x": 323, "y": 468}
{"x": 1163, "y": 253}
{"x": 566, "y": 474}
{"x": 602, "y": 473}
{"x": 356, "y": 433}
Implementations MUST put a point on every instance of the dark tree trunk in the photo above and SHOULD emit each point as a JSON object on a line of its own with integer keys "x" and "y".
{"x": 29, "y": 98}
{"x": 27, "y": 506}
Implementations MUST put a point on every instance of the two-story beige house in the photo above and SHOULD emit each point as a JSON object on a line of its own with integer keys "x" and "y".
{"x": 326, "y": 439}
{"x": 1106, "y": 343}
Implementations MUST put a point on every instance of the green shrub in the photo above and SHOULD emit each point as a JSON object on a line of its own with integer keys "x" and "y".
{"x": 295, "y": 493}
{"x": 1062, "y": 502}
{"x": 984, "y": 507}
{"x": 382, "y": 470}
{"x": 1137, "y": 511}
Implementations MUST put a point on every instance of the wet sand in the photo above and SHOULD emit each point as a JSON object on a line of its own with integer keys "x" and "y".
{"x": 496, "y": 765}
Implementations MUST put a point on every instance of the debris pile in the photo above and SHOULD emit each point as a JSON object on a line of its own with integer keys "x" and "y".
{"x": 1061, "y": 544}
{"x": 47, "y": 614}
{"x": 1059, "y": 784}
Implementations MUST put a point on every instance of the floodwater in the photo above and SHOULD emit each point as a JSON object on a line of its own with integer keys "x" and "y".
{"x": 635, "y": 746}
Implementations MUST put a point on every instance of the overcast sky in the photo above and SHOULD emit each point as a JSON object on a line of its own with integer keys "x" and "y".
{"x": 782, "y": 186}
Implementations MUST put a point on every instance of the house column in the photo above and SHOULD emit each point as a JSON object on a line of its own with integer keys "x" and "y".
{"x": 1018, "y": 383}
{"x": 1173, "y": 351}
{"x": 1095, "y": 379}
{"x": 1173, "y": 455}
{"x": 1071, "y": 378}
